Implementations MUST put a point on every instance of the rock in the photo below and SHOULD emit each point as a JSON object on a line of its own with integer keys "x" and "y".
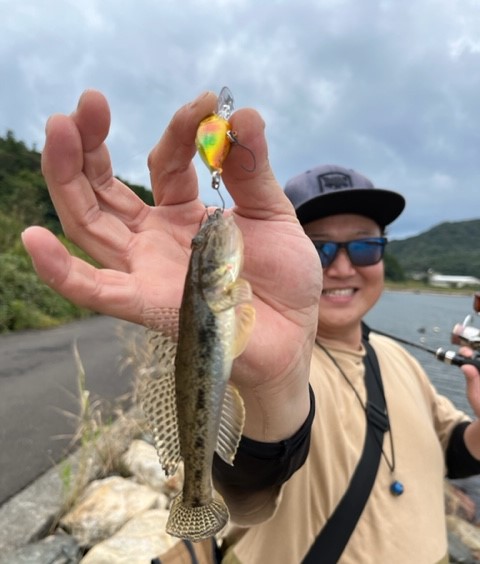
{"x": 54, "y": 549}
{"x": 105, "y": 506}
{"x": 471, "y": 487}
{"x": 137, "y": 542}
{"x": 467, "y": 533}
{"x": 142, "y": 462}
{"x": 458, "y": 552}
{"x": 459, "y": 503}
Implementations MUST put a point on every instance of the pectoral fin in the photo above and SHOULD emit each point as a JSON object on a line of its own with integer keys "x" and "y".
{"x": 156, "y": 395}
{"x": 231, "y": 425}
{"x": 244, "y": 322}
{"x": 233, "y": 295}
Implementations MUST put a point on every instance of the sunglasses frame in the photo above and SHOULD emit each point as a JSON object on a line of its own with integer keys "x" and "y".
{"x": 379, "y": 243}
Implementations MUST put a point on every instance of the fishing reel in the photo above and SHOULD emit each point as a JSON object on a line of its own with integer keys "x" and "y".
{"x": 465, "y": 333}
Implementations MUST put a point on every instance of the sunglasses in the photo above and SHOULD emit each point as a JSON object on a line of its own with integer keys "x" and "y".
{"x": 361, "y": 252}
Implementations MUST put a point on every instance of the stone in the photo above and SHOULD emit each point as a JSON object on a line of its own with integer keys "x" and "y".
{"x": 465, "y": 532}
{"x": 141, "y": 460}
{"x": 459, "y": 503}
{"x": 458, "y": 552}
{"x": 105, "y": 507}
{"x": 137, "y": 542}
{"x": 54, "y": 549}
{"x": 29, "y": 515}
{"x": 471, "y": 487}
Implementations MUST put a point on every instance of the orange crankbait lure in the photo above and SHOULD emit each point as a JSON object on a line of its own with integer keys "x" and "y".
{"x": 214, "y": 136}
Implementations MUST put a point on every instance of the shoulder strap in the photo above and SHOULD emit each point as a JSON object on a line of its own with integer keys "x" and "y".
{"x": 334, "y": 536}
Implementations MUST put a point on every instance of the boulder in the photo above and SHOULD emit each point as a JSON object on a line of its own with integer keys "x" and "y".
{"x": 105, "y": 507}
{"x": 137, "y": 542}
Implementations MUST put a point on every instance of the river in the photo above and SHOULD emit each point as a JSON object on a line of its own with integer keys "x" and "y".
{"x": 427, "y": 319}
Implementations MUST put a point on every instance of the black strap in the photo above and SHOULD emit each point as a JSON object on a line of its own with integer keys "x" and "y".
{"x": 334, "y": 536}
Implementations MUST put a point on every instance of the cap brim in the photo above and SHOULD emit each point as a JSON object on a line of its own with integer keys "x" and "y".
{"x": 383, "y": 206}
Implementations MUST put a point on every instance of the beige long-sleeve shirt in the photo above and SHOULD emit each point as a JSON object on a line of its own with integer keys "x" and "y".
{"x": 280, "y": 526}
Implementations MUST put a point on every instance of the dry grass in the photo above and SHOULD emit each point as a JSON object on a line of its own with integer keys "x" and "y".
{"x": 99, "y": 442}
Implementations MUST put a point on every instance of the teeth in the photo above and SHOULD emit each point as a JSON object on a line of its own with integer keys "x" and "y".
{"x": 339, "y": 292}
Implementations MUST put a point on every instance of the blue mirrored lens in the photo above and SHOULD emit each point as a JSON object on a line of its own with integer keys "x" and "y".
{"x": 361, "y": 252}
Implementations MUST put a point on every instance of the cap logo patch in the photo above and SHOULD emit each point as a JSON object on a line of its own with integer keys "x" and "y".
{"x": 333, "y": 181}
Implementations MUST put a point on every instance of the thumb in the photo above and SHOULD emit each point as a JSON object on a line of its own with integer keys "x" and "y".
{"x": 254, "y": 189}
{"x": 472, "y": 379}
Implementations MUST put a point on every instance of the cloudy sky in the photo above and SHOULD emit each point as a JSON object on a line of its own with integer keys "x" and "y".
{"x": 389, "y": 88}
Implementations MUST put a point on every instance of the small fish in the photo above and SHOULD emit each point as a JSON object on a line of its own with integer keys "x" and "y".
{"x": 191, "y": 407}
{"x": 214, "y": 136}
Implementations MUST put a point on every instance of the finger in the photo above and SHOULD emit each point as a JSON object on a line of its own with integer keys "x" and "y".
{"x": 102, "y": 235}
{"x": 105, "y": 291}
{"x": 172, "y": 173}
{"x": 472, "y": 378}
{"x": 92, "y": 118}
{"x": 256, "y": 193}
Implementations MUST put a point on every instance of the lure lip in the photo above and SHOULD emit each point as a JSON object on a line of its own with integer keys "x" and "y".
{"x": 225, "y": 103}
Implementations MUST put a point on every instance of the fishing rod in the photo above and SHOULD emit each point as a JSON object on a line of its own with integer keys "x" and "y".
{"x": 462, "y": 334}
{"x": 447, "y": 356}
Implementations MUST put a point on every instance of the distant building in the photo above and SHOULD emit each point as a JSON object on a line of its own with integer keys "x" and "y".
{"x": 451, "y": 281}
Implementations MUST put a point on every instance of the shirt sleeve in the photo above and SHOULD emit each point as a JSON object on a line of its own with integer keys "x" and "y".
{"x": 460, "y": 463}
{"x": 261, "y": 465}
{"x": 252, "y": 486}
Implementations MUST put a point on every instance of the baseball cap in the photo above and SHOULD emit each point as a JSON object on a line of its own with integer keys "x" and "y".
{"x": 329, "y": 190}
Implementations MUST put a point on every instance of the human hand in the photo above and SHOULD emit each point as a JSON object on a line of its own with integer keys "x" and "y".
{"x": 472, "y": 379}
{"x": 144, "y": 250}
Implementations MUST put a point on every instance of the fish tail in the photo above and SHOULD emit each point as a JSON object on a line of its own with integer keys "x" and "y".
{"x": 196, "y": 523}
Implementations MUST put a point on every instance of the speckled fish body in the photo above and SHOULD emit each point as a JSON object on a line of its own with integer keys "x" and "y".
{"x": 215, "y": 321}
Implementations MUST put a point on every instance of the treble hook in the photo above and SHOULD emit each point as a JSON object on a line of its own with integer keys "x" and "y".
{"x": 232, "y": 136}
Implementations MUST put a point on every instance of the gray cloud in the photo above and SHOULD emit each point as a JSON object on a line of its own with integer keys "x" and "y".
{"x": 385, "y": 87}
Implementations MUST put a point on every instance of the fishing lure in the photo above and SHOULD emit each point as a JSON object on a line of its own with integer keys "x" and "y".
{"x": 215, "y": 137}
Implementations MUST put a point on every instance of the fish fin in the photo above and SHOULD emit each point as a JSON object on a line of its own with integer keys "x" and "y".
{"x": 239, "y": 296}
{"x": 231, "y": 424}
{"x": 156, "y": 396}
{"x": 244, "y": 322}
{"x": 199, "y": 522}
{"x": 233, "y": 295}
{"x": 163, "y": 320}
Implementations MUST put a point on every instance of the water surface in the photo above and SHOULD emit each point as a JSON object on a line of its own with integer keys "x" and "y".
{"x": 427, "y": 319}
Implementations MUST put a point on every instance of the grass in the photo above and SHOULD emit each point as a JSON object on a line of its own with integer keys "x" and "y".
{"x": 99, "y": 444}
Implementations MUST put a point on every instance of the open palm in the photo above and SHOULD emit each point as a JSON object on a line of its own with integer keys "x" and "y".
{"x": 144, "y": 250}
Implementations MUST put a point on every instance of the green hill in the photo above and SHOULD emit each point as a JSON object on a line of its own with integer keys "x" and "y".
{"x": 25, "y": 302}
{"x": 448, "y": 248}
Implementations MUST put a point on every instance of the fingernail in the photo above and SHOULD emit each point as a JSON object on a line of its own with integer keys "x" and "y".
{"x": 199, "y": 98}
{"x": 82, "y": 95}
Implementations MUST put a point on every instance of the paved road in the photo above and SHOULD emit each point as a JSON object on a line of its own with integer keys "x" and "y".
{"x": 38, "y": 376}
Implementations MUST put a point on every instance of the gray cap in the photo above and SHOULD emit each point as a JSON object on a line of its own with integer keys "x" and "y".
{"x": 329, "y": 190}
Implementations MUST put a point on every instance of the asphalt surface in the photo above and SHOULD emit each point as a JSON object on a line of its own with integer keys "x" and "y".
{"x": 39, "y": 391}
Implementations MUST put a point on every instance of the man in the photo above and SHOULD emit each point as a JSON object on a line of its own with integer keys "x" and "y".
{"x": 403, "y": 520}
{"x": 279, "y": 509}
